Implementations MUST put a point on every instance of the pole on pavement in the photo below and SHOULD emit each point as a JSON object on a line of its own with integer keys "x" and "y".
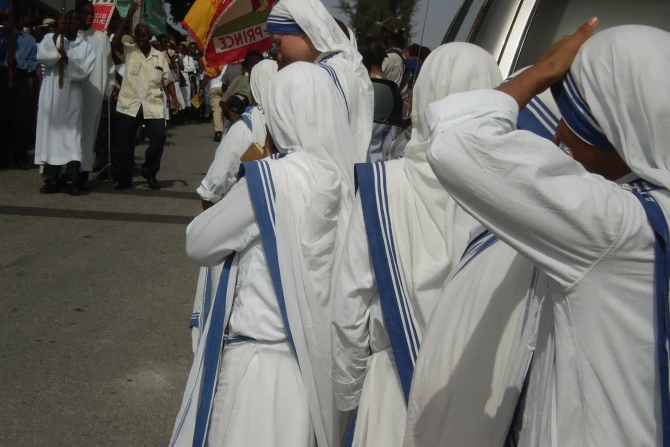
{"x": 61, "y": 63}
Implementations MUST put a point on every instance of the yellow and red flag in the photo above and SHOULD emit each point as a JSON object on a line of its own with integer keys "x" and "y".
{"x": 225, "y": 30}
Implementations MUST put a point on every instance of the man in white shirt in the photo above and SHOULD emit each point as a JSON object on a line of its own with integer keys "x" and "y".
{"x": 147, "y": 72}
{"x": 187, "y": 68}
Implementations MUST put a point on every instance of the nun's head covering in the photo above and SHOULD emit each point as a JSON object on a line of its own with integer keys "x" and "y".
{"x": 259, "y": 80}
{"x": 616, "y": 97}
{"x": 452, "y": 68}
{"x": 310, "y": 17}
{"x": 302, "y": 117}
{"x": 541, "y": 115}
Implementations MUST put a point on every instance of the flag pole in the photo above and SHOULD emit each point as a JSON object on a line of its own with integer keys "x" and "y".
{"x": 61, "y": 63}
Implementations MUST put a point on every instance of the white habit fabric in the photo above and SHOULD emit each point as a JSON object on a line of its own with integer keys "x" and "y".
{"x": 430, "y": 232}
{"x": 352, "y": 76}
{"x": 59, "y": 117}
{"x": 589, "y": 235}
{"x": 314, "y": 192}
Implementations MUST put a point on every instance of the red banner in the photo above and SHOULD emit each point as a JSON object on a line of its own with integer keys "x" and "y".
{"x": 226, "y": 30}
{"x": 102, "y": 14}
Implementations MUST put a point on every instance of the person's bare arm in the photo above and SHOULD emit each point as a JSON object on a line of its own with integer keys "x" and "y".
{"x": 551, "y": 68}
{"x": 117, "y": 43}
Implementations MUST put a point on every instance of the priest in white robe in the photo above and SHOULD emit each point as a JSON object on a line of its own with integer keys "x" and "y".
{"x": 303, "y": 30}
{"x": 595, "y": 224}
{"x": 221, "y": 176}
{"x": 98, "y": 86}
{"x": 279, "y": 230}
{"x": 404, "y": 237}
{"x": 59, "y": 117}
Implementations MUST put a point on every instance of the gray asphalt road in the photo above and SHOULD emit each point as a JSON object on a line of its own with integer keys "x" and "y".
{"x": 95, "y": 298}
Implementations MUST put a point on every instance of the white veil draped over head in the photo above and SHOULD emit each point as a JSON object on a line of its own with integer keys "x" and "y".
{"x": 431, "y": 229}
{"x": 312, "y": 18}
{"x": 314, "y": 194}
{"x": 617, "y": 89}
{"x": 259, "y": 80}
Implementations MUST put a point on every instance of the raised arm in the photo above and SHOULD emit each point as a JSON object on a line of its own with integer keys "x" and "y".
{"x": 220, "y": 176}
{"x": 117, "y": 43}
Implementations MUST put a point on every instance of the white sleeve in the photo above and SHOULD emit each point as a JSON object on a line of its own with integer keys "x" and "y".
{"x": 127, "y": 49}
{"x": 522, "y": 187}
{"x": 47, "y": 53}
{"x": 221, "y": 174}
{"x": 228, "y": 226}
{"x": 81, "y": 60}
{"x": 189, "y": 66}
{"x": 355, "y": 288}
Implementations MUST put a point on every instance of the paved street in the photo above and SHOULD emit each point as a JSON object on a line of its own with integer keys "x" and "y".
{"x": 96, "y": 295}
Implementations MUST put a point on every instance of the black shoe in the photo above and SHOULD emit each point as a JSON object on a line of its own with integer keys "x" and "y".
{"x": 49, "y": 188}
{"x": 123, "y": 185}
{"x": 73, "y": 189}
{"x": 218, "y": 136}
{"x": 152, "y": 182}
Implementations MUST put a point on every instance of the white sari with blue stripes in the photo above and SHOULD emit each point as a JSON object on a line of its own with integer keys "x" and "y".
{"x": 480, "y": 340}
{"x": 413, "y": 233}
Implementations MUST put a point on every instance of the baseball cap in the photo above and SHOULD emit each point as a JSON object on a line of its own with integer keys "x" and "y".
{"x": 394, "y": 25}
{"x": 48, "y": 22}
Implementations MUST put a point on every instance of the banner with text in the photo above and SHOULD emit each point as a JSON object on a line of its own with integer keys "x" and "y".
{"x": 103, "y": 10}
{"x": 235, "y": 28}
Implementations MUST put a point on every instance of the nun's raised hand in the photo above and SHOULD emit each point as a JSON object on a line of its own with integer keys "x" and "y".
{"x": 551, "y": 68}
{"x": 556, "y": 63}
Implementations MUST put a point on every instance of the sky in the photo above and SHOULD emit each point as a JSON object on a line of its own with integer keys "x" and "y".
{"x": 440, "y": 14}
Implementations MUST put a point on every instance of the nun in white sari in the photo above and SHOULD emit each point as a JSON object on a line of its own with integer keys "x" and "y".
{"x": 278, "y": 230}
{"x": 479, "y": 342}
{"x": 602, "y": 243}
{"x": 404, "y": 237}
{"x": 338, "y": 55}
{"x": 249, "y": 128}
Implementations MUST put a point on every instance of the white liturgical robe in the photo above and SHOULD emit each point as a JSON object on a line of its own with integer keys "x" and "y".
{"x": 59, "y": 117}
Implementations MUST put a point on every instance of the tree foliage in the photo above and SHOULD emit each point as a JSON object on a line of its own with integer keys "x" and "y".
{"x": 179, "y": 8}
{"x": 363, "y": 15}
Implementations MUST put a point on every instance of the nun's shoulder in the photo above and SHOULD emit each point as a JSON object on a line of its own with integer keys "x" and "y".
{"x": 299, "y": 73}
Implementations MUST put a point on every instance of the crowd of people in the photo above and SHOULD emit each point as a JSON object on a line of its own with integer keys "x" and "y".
{"x": 496, "y": 274}
{"x": 117, "y": 107}
{"x": 502, "y": 279}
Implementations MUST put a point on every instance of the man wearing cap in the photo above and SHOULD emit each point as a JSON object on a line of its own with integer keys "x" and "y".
{"x": 392, "y": 33}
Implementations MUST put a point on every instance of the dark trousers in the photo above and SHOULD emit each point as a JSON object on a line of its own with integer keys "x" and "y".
{"x": 52, "y": 173}
{"x": 102, "y": 149}
{"x": 155, "y": 130}
{"x": 16, "y": 118}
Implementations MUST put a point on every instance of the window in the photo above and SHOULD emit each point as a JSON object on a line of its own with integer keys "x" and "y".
{"x": 555, "y": 18}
